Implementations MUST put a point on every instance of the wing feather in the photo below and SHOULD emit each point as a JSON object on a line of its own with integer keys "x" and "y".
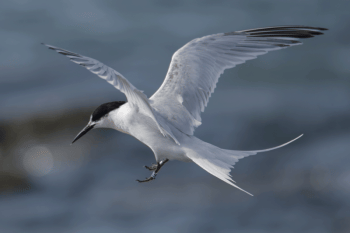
{"x": 196, "y": 67}
{"x": 134, "y": 96}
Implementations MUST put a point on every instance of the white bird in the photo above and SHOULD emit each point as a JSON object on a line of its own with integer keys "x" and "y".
{"x": 165, "y": 122}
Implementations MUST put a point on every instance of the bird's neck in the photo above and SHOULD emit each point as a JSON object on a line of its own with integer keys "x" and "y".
{"x": 114, "y": 120}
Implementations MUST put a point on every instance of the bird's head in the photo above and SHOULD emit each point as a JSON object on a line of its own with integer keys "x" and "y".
{"x": 99, "y": 118}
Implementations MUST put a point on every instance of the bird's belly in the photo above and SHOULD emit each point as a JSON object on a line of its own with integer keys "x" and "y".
{"x": 146, "y": 131}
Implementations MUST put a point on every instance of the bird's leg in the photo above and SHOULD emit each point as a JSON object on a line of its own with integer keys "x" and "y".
{"x": 155, "y": 168}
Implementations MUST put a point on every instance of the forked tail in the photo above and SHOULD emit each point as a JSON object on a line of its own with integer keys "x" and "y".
{"x": 219, "y": 162}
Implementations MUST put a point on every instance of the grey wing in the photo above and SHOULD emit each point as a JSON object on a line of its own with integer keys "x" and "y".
{"x": 196, "y": 67}
{"x": 134, "y": 96}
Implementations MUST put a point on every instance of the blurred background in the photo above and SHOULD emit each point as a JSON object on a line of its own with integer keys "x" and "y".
{"x": 47, "y": 185}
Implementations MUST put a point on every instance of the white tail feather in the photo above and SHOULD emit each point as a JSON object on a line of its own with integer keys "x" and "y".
{"x": 219, "y": 162}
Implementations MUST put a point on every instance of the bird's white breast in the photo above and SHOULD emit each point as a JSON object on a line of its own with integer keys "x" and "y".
{"x": 129, "y": 120}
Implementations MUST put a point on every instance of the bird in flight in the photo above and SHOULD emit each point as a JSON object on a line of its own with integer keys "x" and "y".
{"x": 166, "y": 121}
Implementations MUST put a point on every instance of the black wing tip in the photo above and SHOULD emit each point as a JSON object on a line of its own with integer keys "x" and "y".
{"x": 49, "y": 46}
{"x": 300, "y": 32}
{"x": 67, "y": 53}
{"x": 323, "y": 29}
{"x": 296, "y": 35}
{"x": 286, "y": 27}
{"x": 292, "y": 31}
{"x": 61, "y": 51}
{"x": 282, "y": 45}
{"x": 45, "y": 44}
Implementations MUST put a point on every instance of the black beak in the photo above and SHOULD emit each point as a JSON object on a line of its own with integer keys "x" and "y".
{"x": 84, "y": 131}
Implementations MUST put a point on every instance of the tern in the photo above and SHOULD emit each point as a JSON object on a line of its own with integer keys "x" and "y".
{"x": 166, "y": 121}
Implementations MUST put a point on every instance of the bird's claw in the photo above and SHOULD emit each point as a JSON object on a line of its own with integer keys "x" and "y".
{"x": 155, "y": 168}
{"x": 152, "y": 167}
{"x": 152, "y": 177}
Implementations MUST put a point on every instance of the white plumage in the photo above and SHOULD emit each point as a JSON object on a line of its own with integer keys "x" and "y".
{"x": 166, "y": 121}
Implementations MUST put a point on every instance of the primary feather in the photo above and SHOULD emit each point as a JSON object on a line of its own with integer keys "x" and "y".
{"x": 196, "y": 67}
{"x": 134, "y": 96}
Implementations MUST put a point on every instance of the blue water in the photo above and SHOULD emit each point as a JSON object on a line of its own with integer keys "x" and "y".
{"x": 303, "y": 187}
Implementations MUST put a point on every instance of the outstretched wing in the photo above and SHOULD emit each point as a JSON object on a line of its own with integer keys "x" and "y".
{"x": 196, "y": 67}
{"x": 134, "y": 96}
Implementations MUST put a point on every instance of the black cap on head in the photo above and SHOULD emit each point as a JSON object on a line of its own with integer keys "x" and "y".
{"x": 100, "y": 112}
{"x": 104, "y": 109}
